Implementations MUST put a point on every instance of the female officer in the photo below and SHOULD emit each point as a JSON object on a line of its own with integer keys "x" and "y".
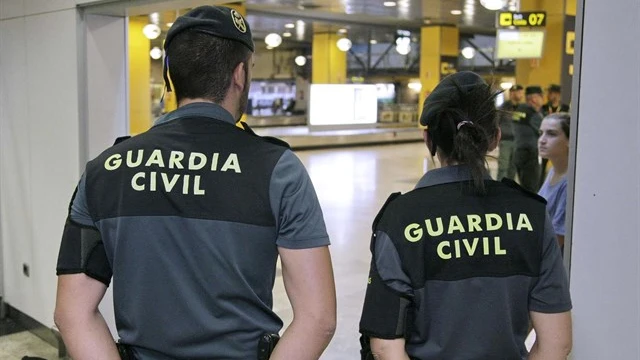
{"x": 553, "y": 145}
{"x": 462, "y": 263}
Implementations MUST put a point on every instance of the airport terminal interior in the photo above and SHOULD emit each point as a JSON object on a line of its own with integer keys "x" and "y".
{"x": 343, "y": 82}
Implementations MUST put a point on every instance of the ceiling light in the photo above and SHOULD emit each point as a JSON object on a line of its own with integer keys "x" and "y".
{"x": 342, "y": 31}
{"x": 415, "y": 86}
{"x": 506, "y": 85}
{"x": 273, "y": 40}
{"x": 468, "y": 52}
{"x": 403, "y": 49}
{"x": 300, "y": 60}
{"x": 389, "y": 3}
{"x": 154, "y": 18}
{"x": 169, "y": 24}
{"x": 493, "y": 4}
{"x": 286, "y": 34}
{"x": 270, "y": 47}
{"x": 290, "y": 25}
{"x": 373, "y": 42}
{"x": 456, "y": 12}
{"x": 155, "y": 53}
{"x": 151, "y": 31}
{"x": 344, "y": 44}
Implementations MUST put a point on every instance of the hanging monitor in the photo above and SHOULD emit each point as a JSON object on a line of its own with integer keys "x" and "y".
{"x": 519, "y": 44}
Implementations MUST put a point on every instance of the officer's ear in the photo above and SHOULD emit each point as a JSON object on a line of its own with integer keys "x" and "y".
{"x": 240, "y": 76}
{"x": 494, "y": 144}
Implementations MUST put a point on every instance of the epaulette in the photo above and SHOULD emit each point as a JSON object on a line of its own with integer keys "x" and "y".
{"x": 381, "y": 212}
{"x": 121, "y": 139}
{"x": 514, "y": 185}
{"x": 269, "y": 139}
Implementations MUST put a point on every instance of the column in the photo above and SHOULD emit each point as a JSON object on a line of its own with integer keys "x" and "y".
{"x": 139, "y": 78}
{"x": 556, "y": 64}
{"x": 438, "y": 56}
{"x": 329, "y": 63}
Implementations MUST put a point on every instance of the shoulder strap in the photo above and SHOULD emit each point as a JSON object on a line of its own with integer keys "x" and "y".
{"x": 269, "y": 139}
{"x": 514, "y": 185}
{"x": 381, "y": 212}
{"x": 121, "y": 139}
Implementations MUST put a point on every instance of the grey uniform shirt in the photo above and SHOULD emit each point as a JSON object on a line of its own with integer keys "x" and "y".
{"x": 460, "y": 275}
{"x": 191, "y": 214}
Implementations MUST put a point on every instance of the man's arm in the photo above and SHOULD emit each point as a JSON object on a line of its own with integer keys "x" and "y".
{"x": 553, "y": 336}
{"x": 83, "y": 329}
{"x": 309, "y": 283}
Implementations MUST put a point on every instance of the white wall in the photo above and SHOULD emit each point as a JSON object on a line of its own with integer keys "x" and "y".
{"x": 605, "y": 257}
{"x": 49, "y": 126}
{"x": 39, "y": 161}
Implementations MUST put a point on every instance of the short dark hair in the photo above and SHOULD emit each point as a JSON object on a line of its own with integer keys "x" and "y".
{"x": 201, "y": 65}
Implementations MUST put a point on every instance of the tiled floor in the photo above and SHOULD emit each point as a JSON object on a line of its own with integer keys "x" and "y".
{"x": 352, "y": 184}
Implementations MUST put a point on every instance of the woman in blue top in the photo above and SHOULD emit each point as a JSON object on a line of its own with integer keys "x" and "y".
{"x": 553, "y": 144}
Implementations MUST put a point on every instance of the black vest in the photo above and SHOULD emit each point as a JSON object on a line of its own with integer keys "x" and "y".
{"x": 444, "y": 232}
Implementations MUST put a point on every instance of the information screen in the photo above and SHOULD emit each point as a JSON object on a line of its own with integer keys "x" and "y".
{"x": 343, "y": 104}
{"x": 519, "y": 44}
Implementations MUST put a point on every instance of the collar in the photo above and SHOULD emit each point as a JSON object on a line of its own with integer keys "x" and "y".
{"x": 198, "y": 109}
{"x": 447, "y": 174}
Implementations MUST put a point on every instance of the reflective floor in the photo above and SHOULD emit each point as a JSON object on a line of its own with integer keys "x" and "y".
{"x": 352, "y": 184}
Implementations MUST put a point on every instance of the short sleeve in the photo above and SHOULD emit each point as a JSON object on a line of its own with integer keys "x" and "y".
{"x": 389, "y": 294}
{"x": 81, "y": 248}
{"x": 560, "y": 212}
{"x": 550, "y": 292}
{"x": 299, "y": 220}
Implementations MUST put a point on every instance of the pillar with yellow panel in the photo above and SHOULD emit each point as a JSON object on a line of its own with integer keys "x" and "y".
{"x": 438, "y": 56}
{"x": 556, "y": 64}
{"x": 329, "y": 62}
{"x": 139, "y": 77}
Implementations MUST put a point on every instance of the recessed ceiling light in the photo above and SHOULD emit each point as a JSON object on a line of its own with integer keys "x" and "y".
{"x": 342, "y": 31}
{"x": 286, "y": 34}
{"x": 389, "y": 3}
{"x": 373, "y": 42}
{"x": 290, "y": 25}
{"x": 456, "y": 12}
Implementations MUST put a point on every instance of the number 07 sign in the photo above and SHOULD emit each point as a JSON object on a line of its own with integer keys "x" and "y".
{"x": 507, "y": 19}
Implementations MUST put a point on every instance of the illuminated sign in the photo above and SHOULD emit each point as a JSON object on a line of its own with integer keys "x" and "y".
{"x": 521, "y": 19}
{"x": 519, "y": 44}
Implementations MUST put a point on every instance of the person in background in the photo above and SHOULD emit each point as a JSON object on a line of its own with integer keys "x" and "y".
{"x": 553, "y": 145}
{"x": 527, "y": 119}
{"x": 462, "y": 264}
{"x": 507, "y": 149}
{"x": 554, "y": 103}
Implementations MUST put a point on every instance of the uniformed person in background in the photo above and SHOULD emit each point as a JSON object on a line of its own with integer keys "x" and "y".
{"x": 462, "y": 264}
{"x": 506, "y": 165}
{"x": 527, "y": 119}
{"x": 554, "y": 103}
{"x": 189, "y": 218}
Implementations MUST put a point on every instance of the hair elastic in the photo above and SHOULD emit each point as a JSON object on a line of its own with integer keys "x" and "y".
{"x": 463, "y": 123}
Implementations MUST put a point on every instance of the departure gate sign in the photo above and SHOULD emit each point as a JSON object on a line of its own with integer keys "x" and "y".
{"x": 521, "y": 19}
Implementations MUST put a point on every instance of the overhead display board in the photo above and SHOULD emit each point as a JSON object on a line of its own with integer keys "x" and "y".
{"x": 506, "y": 19}
{"x": 343, "y": 104}
{"x": 519, "y": 44}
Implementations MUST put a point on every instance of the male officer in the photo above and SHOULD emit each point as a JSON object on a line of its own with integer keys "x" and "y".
{"x": 506, "y": 165}
{"x": 554, "y": 105}
{"x": 189, "y": 219}
{"x": 527, "y": 119}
